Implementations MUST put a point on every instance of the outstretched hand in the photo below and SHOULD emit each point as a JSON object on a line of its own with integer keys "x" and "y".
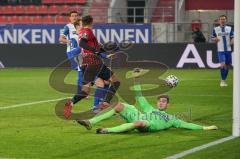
{"x": 213, "y": 127}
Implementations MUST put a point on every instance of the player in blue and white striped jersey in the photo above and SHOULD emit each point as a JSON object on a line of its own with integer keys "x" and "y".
{"x": 69, "y": 36}
{"x": 223, "y": 36}
{"x": 70, "y": 33}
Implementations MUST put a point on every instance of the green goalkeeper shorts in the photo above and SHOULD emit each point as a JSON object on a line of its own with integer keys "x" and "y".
{"x": 130, "y": 113}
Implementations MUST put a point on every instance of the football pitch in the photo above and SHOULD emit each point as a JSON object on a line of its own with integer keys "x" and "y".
{"x": 29, "y": 127}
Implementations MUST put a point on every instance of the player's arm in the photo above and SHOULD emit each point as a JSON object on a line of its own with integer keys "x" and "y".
{"x": 62, "y": 38}
{"x": 83, "y": 44}
{"x": 191, "y": 126}
{"x": 76, "y": 50}
{"x": 214, "y": 36}
{"x": 143, "y": 103}
{"x": 231, "y": 37}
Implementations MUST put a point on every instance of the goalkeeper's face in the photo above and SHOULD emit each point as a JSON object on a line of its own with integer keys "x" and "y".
{"x": 162, "y": 103}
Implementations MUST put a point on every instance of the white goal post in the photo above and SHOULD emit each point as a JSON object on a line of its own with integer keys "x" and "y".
{"x": 236, "y": 70}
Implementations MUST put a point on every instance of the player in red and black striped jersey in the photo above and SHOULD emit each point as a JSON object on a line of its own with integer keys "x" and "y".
{"x": 92, "y": 66}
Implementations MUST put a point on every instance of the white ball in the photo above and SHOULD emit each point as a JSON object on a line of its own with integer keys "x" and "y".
{"x": 171, "y": 81}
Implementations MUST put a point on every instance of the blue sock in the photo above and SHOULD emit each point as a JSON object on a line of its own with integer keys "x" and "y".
{"x": 222, "y": 70}
{"x": 99, "y": 95}
{"x": 79, "y": 81}
{"x": 226, "y": 74}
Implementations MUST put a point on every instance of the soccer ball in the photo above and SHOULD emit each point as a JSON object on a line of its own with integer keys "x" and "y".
{"x": 171, "y": 81}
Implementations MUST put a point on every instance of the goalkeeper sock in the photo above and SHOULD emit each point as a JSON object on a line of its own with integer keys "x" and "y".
{"x": 121, "y": 128}
{"x": 101, "y": 117}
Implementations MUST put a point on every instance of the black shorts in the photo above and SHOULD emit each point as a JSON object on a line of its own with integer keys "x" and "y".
{"x": 91, "y": 72}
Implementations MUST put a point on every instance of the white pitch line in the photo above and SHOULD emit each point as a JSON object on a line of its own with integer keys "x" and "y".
{"x": 31, "y": 103}
{"x": 200, "y": 95}
{"x": 199, "y": 148}
{"x": 192, "y": 79}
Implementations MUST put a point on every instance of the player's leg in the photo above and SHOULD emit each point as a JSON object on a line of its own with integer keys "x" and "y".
{"x": 88, "y": 123}
{"x": 140, "y": 125}
{"x": 128, "y": 112}
{"x": 222, "y": 59}
{"x": 89, "y": 73}
{"x": 79, "y": 81}
{"x": 107, "y": 75}
{"x": 228, "y": 63}
{"x": 132, "y": 116}
{"x": 83, "y": 93}
{"x": 100, "y": 92}
{"x": 115, "y": 84}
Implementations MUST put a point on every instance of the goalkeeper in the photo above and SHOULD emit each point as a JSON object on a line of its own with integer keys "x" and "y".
{"x": 151, "y": 120}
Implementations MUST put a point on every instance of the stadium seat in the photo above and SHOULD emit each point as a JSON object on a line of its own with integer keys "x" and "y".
{"x": 8, "y": 9}
{"x": 59, "y": 1}
{"x": 25, "y": 19}
{"x": 42, "y": 9}
{"x": 77, "y": 8}
{"x": 81, "y": 1}
{"x": 168, "y": 18}
{"x": 3, "y": 19}
{"x": 31, "y": 9}
{"x": 19, "y": 9}
{"x": 61, "y": 20}
{"x": 53, "y": 9}
{"x": 14, "y": 19}
{"x": 76, "y": 1}
{"x": 64, "y": 9}
{"x": 37, "y": 19}
{"x": 70, "y": 2}
{"x": 47, "y": 2}
{"x": 48, "y": 19}
{"x": 1, "y": 10}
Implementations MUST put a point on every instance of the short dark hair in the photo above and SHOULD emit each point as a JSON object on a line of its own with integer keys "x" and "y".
{"x": 71, "y": 12}
{"x": 222, "y": 16}
{"x": 87, "y": 20}
{"x": 163, "y": 96}
{"x": 77, "y": 22}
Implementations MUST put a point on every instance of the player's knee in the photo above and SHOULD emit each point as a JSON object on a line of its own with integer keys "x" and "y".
{"x": 106, "y": 82}
{"x": 119, "y": 107}
{"x": 139, "y": 124}
{"x": 222, "y": 65}
{"x": 116, "y": 84}
{"x": 86, "y": 88}
{"x": 99, "y": 83}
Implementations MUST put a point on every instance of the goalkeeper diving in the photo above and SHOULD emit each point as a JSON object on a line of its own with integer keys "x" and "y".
{"x": 149, "y": 120}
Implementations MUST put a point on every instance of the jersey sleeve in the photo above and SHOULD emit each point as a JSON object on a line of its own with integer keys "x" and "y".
{"x": 214, "y": 35}
{"x": 74, "y": 43}
{"x": 177, "y": 123}
{"x": 86, "y": 35}
{"x": 145, "y": 106}
{"x": 65, "y": 30}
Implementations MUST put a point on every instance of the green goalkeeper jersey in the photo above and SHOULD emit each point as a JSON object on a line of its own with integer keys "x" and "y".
{"x": 157, "y": 119}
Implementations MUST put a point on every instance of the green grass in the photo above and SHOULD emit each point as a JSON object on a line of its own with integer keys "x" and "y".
{"x": 35, "y": 131}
